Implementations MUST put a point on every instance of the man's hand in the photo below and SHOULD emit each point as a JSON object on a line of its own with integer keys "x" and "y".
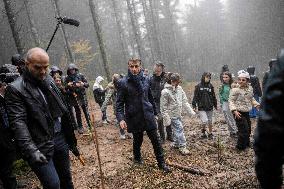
{"x": 258, "y": 107}
{"x": 80, "y": 84}
{"x": 38, "y": 158}
{"x": 237, "y": 114}
{"x": 123, "y": 125}
{"x": 195, "y": 109}
{"x": 70, "y": 84}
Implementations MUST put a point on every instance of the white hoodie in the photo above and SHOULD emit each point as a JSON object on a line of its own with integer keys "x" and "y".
{"x": 173, "y": 102}
{"x": 97, "y": 83}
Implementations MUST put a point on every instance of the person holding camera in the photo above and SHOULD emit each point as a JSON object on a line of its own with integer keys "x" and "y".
{"x": 41, "y": 122}
{"x": 7, "y": 147}
{"x": 76, "y": 85}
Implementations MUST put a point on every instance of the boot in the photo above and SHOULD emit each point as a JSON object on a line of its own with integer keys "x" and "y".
{"x": 169, "y": 133}
{"x": 164, "y": 168}
{"x": 203, "y": 136}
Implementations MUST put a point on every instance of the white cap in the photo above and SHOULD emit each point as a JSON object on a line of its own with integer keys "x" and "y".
{"x": 243, "y": 73}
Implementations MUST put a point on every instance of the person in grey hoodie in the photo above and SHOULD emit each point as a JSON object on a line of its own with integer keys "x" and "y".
{"x": 173, "y": 101}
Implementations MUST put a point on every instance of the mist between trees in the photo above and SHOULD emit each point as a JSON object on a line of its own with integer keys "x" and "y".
{"x": 188, "y": 36}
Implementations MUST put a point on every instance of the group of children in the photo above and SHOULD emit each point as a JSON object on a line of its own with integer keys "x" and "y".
{"x": 236, "y": 99}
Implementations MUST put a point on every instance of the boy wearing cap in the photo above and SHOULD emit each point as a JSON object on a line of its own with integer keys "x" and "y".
{"x": 240, "y": 102}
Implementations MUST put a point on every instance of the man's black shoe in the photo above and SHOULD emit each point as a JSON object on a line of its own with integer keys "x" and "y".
{"x": 164, "y": 168}
{"x": 138, "y": 161}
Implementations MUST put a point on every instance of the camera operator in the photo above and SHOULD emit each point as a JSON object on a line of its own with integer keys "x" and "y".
{"x": 7, "y": 147}
{"x": 76, "y": 85}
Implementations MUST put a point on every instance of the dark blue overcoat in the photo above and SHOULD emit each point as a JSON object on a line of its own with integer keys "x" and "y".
{"x": 136, "y": 109}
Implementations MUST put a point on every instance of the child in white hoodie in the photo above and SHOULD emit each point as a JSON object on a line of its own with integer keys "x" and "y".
{"x": 173, "y": 101}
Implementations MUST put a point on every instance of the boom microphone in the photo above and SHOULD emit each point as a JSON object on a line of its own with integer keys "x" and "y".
{"x": 69, "y": 21}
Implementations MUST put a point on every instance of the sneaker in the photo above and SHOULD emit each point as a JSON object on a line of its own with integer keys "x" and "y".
{"x": 183, "y": 150}
{"x": 129, "y": 135}
{"x": 105, "y": 121}
{"x": 210, "y": 136}
{"x": 203, "y": 136}
{"x": 172, "y": 145}
{"x": 81, "y": 130}
{"x": 164, "y": 168}
{"x": 122, "y": 137}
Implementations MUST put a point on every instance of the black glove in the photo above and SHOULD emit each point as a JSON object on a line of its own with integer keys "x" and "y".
{"x": 38, "y": 158}
{"x": 75, "y": 151}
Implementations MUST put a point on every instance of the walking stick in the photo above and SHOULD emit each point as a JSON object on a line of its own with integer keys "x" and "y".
{"x": 95, "y": 139}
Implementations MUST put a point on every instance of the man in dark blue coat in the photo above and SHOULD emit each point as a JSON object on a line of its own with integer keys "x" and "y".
{"x": 135, "y": 111}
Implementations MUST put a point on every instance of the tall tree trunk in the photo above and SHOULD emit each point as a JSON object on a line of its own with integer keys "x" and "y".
{"x": 169, "y": 17}
{"x": 120, "y": 31}
{"x": 12, "y": 23}
{"x": 148, "y": 28}
{"x": 32, "y": 24}
{"x": 135, "y": 29}
{"x": 100, "y": 38}
{"x": 67, "y": 44}
{"x": 155, "y": 20}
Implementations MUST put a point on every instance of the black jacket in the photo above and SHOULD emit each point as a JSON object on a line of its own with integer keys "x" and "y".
{"x": 254, "y": 81}
{"x": 30, "y": 118}
{"x": 6, "y": 142}
{"x": 76, "y": 95}
{"x": 204, "y": 96}
{"x": 157, "y": 84}
{"x": 269, "y": 134}
{"x": 136, "y": 109}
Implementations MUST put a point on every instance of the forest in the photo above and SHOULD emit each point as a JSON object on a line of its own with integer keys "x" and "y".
{"x": 188, "y": 36}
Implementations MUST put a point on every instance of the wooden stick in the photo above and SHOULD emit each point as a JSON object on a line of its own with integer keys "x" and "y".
{"x": 80, "y": 157}
{"x": 95, "y": 139}
{"x": 186, "y": 168}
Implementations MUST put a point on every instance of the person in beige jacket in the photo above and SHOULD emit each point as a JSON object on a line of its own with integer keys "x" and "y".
{"x": 241, "y": 102}
{"x": 173, "y": 101}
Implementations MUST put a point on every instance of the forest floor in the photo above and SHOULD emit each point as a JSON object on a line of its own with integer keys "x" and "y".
{"x": 224, "y": 167}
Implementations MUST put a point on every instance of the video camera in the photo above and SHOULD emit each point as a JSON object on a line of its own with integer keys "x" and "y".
{"x": 8, "y": 73}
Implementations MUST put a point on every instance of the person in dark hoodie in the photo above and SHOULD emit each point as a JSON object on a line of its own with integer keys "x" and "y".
{"x": 18, "y": 60}
{"x": 204, "y": 101}
{"x": 225, "y": 68}
{"x": 269, "y": 133}
{"x": 257, "y": 92}
{"x": 55, "y": 70}
{"x": 76, "y": 85}
{"x": 271, "y": 64}
{"x": 157, "y": 83}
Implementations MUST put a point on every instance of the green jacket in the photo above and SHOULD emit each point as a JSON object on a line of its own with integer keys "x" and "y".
{"x": 224, "y": 92}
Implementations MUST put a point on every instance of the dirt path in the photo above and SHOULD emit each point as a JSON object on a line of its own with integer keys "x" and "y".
{"x": 234, "y": 170}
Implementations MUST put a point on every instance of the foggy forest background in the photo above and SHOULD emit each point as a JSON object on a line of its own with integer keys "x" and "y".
{"x": 188, "y": 36}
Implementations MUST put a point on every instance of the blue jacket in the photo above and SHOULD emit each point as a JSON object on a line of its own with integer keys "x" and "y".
{"x": 136, "y": 109}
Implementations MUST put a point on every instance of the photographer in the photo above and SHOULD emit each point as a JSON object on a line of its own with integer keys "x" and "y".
{"x": 8, "y": 152}
{"x": 76, "y": 85}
